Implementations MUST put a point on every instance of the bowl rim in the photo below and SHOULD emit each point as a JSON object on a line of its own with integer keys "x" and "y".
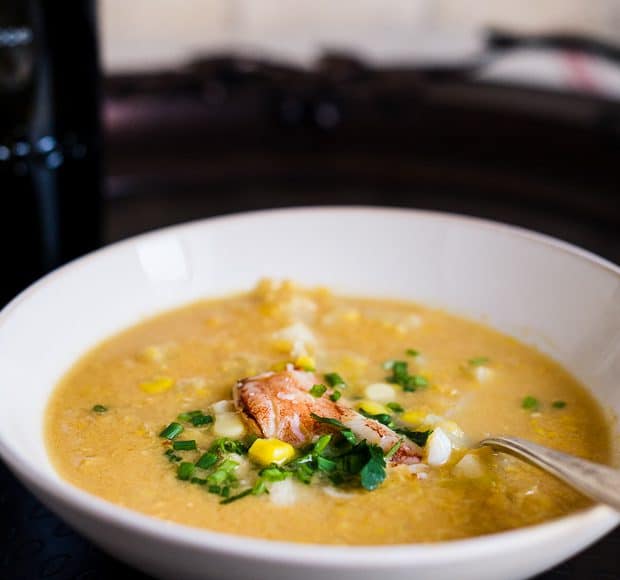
{"x": 597, "y": 517}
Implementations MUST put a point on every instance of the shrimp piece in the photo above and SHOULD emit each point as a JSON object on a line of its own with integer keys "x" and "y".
{"x": 279, "y": 405}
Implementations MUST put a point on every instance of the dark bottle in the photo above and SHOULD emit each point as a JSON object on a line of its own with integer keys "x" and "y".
{"x": 50, "y": 137}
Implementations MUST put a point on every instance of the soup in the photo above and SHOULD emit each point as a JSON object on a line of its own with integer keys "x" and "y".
{"x": 295, "y": 414}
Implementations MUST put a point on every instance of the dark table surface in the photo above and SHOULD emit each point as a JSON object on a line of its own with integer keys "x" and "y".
{"x": 34, "y": 543}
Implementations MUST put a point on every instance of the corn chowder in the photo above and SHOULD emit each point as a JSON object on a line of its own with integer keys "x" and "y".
{"x": 298, "y": 415}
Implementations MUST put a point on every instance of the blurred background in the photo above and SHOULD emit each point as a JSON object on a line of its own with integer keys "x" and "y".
{"x": 118, "y": 117}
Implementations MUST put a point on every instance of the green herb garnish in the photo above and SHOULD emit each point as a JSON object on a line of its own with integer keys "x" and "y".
{"x": 558, "y": 404}
{"x": 226, "y": 445}
{"x": 396, "y": 407}
{"x": 400, "y": 376}
{"x": 335, "y": 396}
{"x": 334, "y": 379}
{"x": 232, "y": 498}
{"x": 171, "y": 431}
{"x": 530, "y": 403}
{"x": 185, "y": 470}
{"x": 196, "y": 418}
{"x": 100, "y": 409}
{"x": 171, "y": 455}
{"x": 274, "y": 473}
{"x": 418, "y": 437}
{"x": 207, "y": 460}
{"x": 478, "y": 361}
{"x": 412, "y": 352}
{"x": 187, "y": 445}
{"x": 318, "y": 390}
{"x": 373, "y": 472}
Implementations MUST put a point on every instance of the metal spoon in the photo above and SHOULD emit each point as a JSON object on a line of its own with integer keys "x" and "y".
{"x": 597, "y": 481}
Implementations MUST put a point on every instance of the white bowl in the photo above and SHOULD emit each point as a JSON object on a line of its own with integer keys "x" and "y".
{"x": 562, "y": 299}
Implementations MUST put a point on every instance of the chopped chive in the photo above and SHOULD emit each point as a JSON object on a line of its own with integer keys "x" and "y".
{"x": 187, "y": 445}
{"x": 207, "y": 460}
{"x": 392, "y": 450}
{"x": 171, "y": 455}
{"x": 335, "y": 396}
{"x": 530, "y": 403}
{"x": 478, "y": 361}
{"x": 325, "y": 464}
{"x": 273, "y": 473}
{"x": 185, "y": 470}
{"x": 100, "y": 409}
{"x": 259, "y": 487}
{"x": 412, "y": 352}
{"x": 232, "y": 498}
{"x": 334, "y": 379}
{"x": 321, "y": 444}
{"x": 396, "y": 407}
{"x": 172, "y": 431}
{"x": 349, "y": 436}
{"x": 558, "y": 404}
{"x": 187, "y": 416}
{"x": 200, "y": 420}
{"x": 318, "y": 390}
{"x": 400, "y": 376}
{"x": 198, "y": 480}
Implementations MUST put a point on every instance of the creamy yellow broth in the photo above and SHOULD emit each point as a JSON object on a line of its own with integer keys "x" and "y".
{"x": 195, "y": 354}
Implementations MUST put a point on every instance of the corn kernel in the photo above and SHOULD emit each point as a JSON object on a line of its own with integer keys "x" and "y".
{"x": 372, "y": 408}
{"x": 268, "y": 451}
{"x": 413, "y": 418}
{"x": 157, "y": 385}
{"x": 305, "y": 362}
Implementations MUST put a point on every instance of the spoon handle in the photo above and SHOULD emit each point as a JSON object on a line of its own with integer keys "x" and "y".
{"x": 596, "y": 481}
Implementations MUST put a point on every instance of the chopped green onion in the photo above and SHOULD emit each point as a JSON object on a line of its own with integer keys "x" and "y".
{"x": 329, "y": 421}
{"x": 530, "y": 403}
{"x": 418, "y": 437}
{"x": 171, "y": 455}
{"x": 226, "y": 445}
{"x": 558, "y": 404}
{"x": 187, "y": 416}
{"x": 188, "y": 445}
{"x": 392, "y": 450}
{"x": 412, "y": 352}
{"x": 334, "y": 379}
{"x": 321, "y": 444}
{"x": 172, "y": 431}
{"x": 349, "y": 436}
{"x": 335, "y": 396}
{"x": 318, "y": 390}
{"x": 325, "y": 464}
{"x": 201, "y": 420}
{"x": 400, "y": 376}
{"x": 478, "y": 361}
{"x": 396, "y": 407}
{"x": 232, "y": 498}
{"x": 207, "y": 460}
{"x": 185, "y": 470}
{"x": 198, "y": 481}
{"x": 273, "y": 473}
{"x": 99, "y": 409}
